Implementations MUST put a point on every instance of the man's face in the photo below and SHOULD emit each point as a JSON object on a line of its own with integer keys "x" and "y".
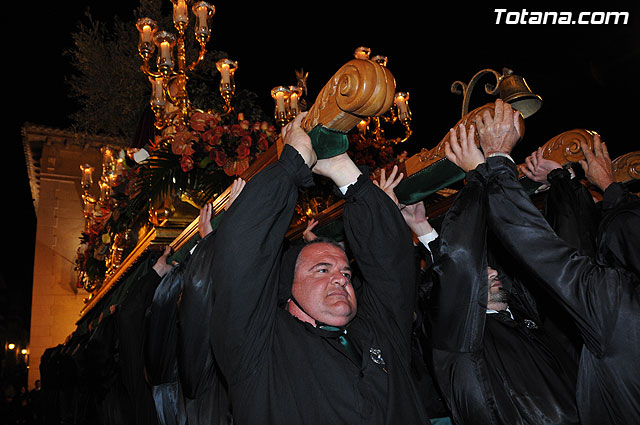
{"x": 498, "y": 297}
{"x": 322, "y": 284}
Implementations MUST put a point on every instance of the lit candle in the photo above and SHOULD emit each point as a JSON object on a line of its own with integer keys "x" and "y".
{"x": 362, "y": 53}
{"x": 107, "y": 158}
{"x": 180, "y": 15}
{"x": 87, "y": 175}
{"x": 105, "y": 190}
{"x": 147, "y": 29}
{"x": 158, "y": 98}
{"x": 362, "y": 126}
{"x": 280, "y": 101}
{"x": 202, "y": 12}
{"x": 224, "y": 72}
{"x": 89, "y": 204}
{"x": 293, "y": 103}
{"x": 401, "y": 103}
{"x": 120, "y": 166}
{"x": 146, "y": 34}
{"x": 165, "y": 54}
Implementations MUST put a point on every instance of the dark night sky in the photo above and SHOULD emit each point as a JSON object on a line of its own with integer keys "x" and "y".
{"x": 586, "y": 74}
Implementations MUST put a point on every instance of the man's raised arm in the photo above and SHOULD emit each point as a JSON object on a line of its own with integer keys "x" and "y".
{"x": 380, "y": 242}
{"x": 588, "y": 292}
{"x": 247, "y": 249}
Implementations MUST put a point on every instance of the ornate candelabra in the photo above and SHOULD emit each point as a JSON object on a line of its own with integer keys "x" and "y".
{"x": 289, "y": 99}
{"x": 169, "y": 98}
{"x": 97, "y": 209}
{"x": 88, "y": 200}
{"x": 372, "y": 127}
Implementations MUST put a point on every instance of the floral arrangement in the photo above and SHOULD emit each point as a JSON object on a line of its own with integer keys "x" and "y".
{"x": 210, "y": 142}
{"x": 95, "y": 242}
{"x": 210, "y": 145}
{"x": 367, "y": 151}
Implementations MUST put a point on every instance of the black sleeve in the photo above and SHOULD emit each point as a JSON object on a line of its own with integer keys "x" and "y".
{"x": 247, "y": 248}
{"x": 459, "y": 297}
{"x": 196, "y": 361}
{"x": 382, "y": 246}
{"x": 571, "y": 211}
{"x": 589, "y": 292}
{"x": 160, "y": 330}
{"x": 619, "y": 230}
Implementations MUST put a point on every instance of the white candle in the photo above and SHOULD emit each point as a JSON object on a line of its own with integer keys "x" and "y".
{"x": 224, "y": 71}
{"x": 280, "y": 101}
{"x": 165, "y": 54}
{"x": 293, "y": 102}
{"x": 157, "y": 92}
{"x": 87, "y": 174}
{"x": 362, "y": 126}
{"x": 203, "y": 14}
{"x": 401, "y": 103}
{"x": 180, "y": 12}
{"x": 146, "y": 34}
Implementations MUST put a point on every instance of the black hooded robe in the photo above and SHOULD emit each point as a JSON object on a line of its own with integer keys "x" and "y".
{"x": 492, "y": 369}
{"x": 603, "y": 301}
{"x": 281, "y": 370}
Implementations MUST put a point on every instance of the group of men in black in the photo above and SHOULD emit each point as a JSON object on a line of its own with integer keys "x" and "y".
{"x": 511, "y": 317}
{"x": 504, "y": 315}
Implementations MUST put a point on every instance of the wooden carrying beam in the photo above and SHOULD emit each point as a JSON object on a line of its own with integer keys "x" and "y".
{"x": 429, "y": 170}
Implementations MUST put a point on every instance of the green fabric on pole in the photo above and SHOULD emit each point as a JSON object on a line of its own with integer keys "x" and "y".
{"x": 328, "y": 143}
{"x": 427, "y": 181}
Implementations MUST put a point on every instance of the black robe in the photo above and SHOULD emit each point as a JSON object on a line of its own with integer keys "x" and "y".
{"x": 619, "y": 231}
{"x": 573, "y": 215}
{"x": 172, "y": 353}
{"x": 422, "y": 347}
{"x": 160, "y": 341}
{"x": 492, "y": 369}
{"x": 571, "y": 211}
{"x": 103, "y": 369}
{"x": 603, "y": 301}
{"x": 202, "y": 382}
{"x": 281, "y": 370}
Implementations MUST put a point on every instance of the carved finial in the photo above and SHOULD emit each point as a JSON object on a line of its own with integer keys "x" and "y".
{"x": 301, "y": 77}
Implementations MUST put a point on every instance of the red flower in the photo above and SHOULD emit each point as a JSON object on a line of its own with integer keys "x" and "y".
{"x": 181, "y": 144}
{"x": 267, "y": 128}
{"x": 246, "y": 141}
{"x": 263, "y": 143}
{"x": 244, "y": 124}
{"x": 200, "y": 120}
{"x": 186, "y": 163}
{"x": 235, "y": 168}
{"x": 243, "y": 151}
{"x": 211, "y": 137}
{"x": 237, "y": 130}
{"x": 219, "y": 157}
{"x": 242, "y": 166}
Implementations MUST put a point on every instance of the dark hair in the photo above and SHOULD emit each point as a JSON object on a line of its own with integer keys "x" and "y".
{"x": 318, "y": 239}
{"x": 324, "y": 239}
